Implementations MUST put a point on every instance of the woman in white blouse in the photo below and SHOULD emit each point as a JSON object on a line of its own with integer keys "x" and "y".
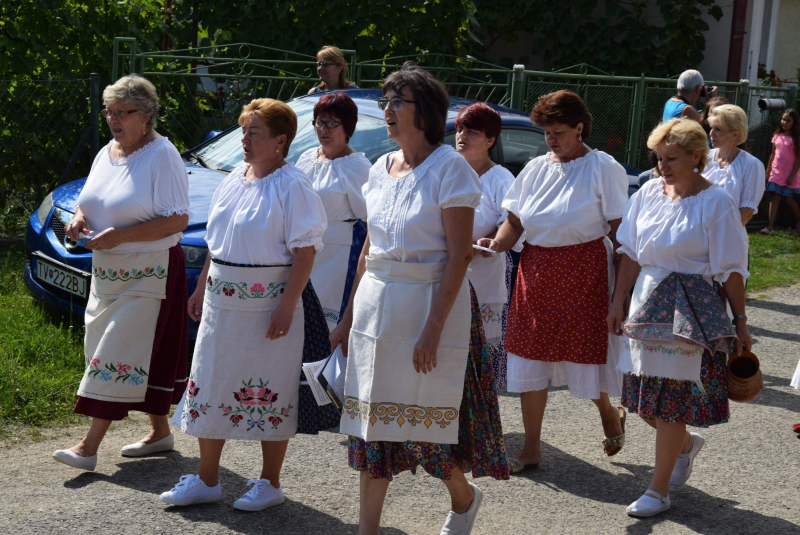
{"x": 477, "y": 128}
{"x": 681, "y": 237}
{"x": 337, "y": 173}
{"x": 566, "y": 202}
{"x": 414, "y": 371}
{"x": 256, "y": 312}
{"x": 735, "y": 170}
{"x": 134, "y": 206}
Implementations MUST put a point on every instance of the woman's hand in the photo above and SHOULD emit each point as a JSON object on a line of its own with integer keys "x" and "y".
{"x": 489, "y": 243}
{"x": 425, "y": 350}
{"x": 281, "y": 321}
{"x": 341, "y": 335}
{"x": 615, "y": 319}
{"x": 745, "y": 340}
{"x": 107, "y": 239}
{"x": 195, "y": 303}
{"x": 76, "y": 227}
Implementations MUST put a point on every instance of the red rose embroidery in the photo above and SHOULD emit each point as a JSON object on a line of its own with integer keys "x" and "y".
{"x": 194, "y": 414}
{"x": 192, "y": 389}
{"x": 236, "y": 418}
{"x": 275, "y": 420}
{"x": 244, "y": 396}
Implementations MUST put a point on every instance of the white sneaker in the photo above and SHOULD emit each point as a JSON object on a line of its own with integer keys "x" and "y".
{"x": 70, "y": 458}
{"x": 461, "y": 523}
{"x": 191, "y": 489}
{"x": 140, "y": 448}
{"x": 651, "y": 503}
{"x": 685, "y": 462}
{"x": 261, "y": 496}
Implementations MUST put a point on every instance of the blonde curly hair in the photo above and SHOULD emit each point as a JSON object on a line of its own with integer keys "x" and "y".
{"x": 685, "y": 133}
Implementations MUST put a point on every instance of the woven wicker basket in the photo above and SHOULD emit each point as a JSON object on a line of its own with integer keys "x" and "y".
{"x": 745, "y": 381}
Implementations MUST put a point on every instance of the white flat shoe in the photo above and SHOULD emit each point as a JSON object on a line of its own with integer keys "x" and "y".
{"x": 462, "y": 523}
{"x": 651, "y": 503}
{"x": 260, "y": 496}
{"x": 141, "y": 449}
{"x": 190, "y": 490}
{"x": 70, "y": 458}
{"x": 685, "y": 462}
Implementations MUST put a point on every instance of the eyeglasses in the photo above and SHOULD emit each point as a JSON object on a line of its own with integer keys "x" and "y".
{"x": 121, "y": 114}
{"x": 395, "y": 103}
{"x": 319, "y": 123}
{"x": 324, "y": 64}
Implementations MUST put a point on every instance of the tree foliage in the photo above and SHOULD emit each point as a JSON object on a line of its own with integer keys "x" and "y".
{"x": 624, "y": 37}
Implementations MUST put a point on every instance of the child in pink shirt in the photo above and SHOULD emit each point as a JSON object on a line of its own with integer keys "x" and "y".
{"x": 784, "y": 164}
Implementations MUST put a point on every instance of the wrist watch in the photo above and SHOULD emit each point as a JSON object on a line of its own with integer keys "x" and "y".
{"x": 738, "y": 317}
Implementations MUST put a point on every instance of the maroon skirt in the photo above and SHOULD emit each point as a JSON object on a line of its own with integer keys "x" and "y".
{"x": 168, "y": 362}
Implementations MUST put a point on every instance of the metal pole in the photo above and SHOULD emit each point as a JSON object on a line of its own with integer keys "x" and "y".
{"x": 115, "y": 61}
{"x": 791, "y": 96}
{"x": 518, "y": 88}
{"x": 744, "y": 103}
{"x": 636, "y": 122}
{"x": 94, "y": 113}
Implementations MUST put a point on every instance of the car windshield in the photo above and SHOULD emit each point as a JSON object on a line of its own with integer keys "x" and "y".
{"x": 370, "y": 137}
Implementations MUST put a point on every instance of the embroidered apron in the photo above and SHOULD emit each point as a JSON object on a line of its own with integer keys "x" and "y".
{"x": 121, "y": 317}
{"x": 384, "y": 397}
{"x": 243, "y": 385}
{"x": 488, "y": 278}
{"x": 674, "y": 318}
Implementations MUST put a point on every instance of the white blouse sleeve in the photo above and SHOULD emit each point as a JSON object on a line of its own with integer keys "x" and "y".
{"x": 500, "y": 186}
{"x": 611, "y": 184}
{"x": 460, "y": 185}
{"x": 727, "y": 240}
{"x": 627, "y": 231}
{"x": 355, "y": 176}
{"x": 305, "y": 220}
{"x": 753, "y": 183}
{"x": 170, "y": 184}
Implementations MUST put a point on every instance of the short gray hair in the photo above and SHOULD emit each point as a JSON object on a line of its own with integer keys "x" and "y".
{"x": 136, "y": 90}
{"x": 689, "y": 80}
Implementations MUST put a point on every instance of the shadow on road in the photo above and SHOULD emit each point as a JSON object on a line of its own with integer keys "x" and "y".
{"x": 770, "y": 397}
{"x": 692, "y": 508}
{"x": 791, "y": 310}
{"x": 757, "y": 332}
{"x": 156, "y": 474}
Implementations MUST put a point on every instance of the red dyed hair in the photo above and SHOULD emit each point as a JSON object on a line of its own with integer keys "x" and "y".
{"x": 341, "y": 106}
{"x": 481, "y": 117}
{"x": 564, "y": 107}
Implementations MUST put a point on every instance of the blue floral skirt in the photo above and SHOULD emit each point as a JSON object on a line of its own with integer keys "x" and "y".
{"x": 782, "y": 190}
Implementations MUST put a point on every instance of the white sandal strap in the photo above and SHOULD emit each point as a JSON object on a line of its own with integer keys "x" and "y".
{"x": 654, "y": 494}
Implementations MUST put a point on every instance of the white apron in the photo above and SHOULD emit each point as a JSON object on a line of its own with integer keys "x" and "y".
{"x": 330, "y": 269}
{"x": 796, "y": 379}
{"x": 243, "y": 385}
{"x": 121, "y": 318}
{"x": 488, "y": 278}
{"x": 384, "y": 398}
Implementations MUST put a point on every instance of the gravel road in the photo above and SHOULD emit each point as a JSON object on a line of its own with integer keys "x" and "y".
{"x": 746, "y": 480}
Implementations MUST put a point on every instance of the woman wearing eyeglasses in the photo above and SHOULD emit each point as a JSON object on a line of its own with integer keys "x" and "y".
{"x": 419, "y": 389}
{"x": 332, "y": 70}
{"x": 337, "y": 173}
{"x": 135, "y": 204}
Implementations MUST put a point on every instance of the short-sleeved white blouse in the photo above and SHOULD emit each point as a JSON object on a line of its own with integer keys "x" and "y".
{"x": 743, "y": 179}
{"x": 405, "y": 214}
{"x": 338, "y": 183}
{"x": 262, "y": 222}
{"x": 120, "y": 192}
{"x": 698, "y": 235}
{"x": 570, "y": 203}
{"x": 495, "y": 183}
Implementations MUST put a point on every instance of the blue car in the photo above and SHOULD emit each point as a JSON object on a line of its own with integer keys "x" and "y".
{"x": 59, "y": 272}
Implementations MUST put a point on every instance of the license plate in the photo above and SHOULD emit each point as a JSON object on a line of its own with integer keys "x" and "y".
{"x": 61, "y": 277}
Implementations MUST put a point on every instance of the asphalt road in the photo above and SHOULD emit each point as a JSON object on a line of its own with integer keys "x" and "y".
{"x": 746, "y": 479}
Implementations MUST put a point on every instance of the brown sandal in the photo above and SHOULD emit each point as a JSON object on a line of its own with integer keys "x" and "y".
{"x": 613, "y": 445}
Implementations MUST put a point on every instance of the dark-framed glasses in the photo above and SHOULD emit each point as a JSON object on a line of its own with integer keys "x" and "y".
{"x": 395, "y": 103}
{"x": 119, "y": 114}
{"x": 319, "y": 123}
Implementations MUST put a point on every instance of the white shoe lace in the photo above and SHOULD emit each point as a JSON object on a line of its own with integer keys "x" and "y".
{"x": 258, "y": 487}
{"x": 186, "y": 482}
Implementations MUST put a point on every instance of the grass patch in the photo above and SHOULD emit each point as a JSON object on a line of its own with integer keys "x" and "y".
{"x": 774, "y": 260}
{"x": 41, "y": 354}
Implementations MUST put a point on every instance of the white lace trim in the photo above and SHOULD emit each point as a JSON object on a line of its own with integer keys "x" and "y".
{"x": 243, "y": 178}
{"x": 319, "y": 162}
{"x": 685, "y": 200}
{"x": 572, "y": 163}
{"x": 134, "y": 154}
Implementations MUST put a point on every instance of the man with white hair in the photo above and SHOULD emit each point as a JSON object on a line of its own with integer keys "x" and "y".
{"x": 690, "y": 88}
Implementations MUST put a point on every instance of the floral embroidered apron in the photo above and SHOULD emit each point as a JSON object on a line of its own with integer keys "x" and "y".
{"x": 384, "y": 397}
{"x": 243, "y": 385}
{"x": 121, "y": 316}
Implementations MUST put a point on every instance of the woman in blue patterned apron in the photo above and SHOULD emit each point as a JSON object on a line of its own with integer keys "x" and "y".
{"x": 259, "y": 316}
{"x": 683, "y": 243}
{"x": 419, "y": 388}
{"x": 135, "y": 204}
{"x": 337, "y": 173}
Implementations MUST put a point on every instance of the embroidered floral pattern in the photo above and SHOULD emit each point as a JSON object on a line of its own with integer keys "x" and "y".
{"x": 122, "y": 371}
{"x": 126, "y": 275}
{"x": 256, "y": 403}
{"x": 638, "y": 345}
{"x": 397, "y": 412}
{"x": 490, "y": 316}
{"x": 256, "y": 291}
{"x": 192, "y": 407}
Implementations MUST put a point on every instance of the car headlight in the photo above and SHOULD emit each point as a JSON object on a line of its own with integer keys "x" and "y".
{"x": 195, "y": 256}
{"x": 44, "y": 209}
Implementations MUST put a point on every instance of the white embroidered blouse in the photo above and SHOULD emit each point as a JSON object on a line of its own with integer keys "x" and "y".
{"x": 338, "y": 183}
{"x": 698, "y": 235}
{"x": 489, "y": 215}
{"x": 571, "y": 203}
{"x": 405, "y": 214}
{"x": 743, "y": 179}
{"x": 120, "y": 192}
{"x": 262, "y": 222}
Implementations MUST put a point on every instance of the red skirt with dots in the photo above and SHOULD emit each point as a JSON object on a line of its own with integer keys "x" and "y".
{"x": 560, "y": 303}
